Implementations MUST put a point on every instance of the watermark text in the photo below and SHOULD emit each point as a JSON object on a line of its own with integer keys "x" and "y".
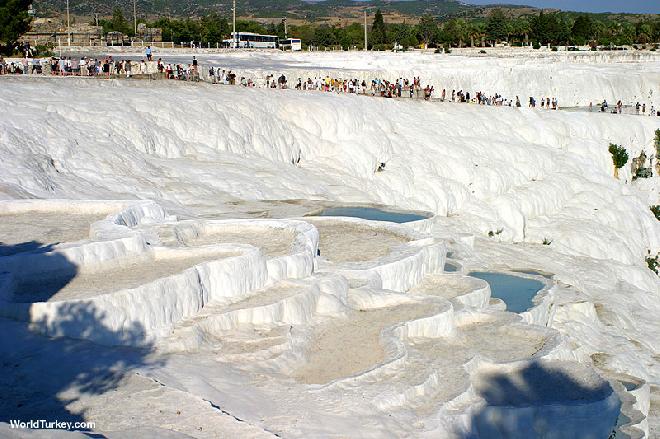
{"x": 43, "y": 424}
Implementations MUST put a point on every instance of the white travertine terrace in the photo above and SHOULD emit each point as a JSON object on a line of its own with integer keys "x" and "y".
{"x": 317, "y": 326}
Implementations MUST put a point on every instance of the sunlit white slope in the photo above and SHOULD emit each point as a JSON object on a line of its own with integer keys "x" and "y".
{"x": 575, "y": 79}
{"x": 527, "y": 174}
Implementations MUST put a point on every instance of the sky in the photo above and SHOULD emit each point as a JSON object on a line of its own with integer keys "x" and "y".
{"x": 633, "y": 6}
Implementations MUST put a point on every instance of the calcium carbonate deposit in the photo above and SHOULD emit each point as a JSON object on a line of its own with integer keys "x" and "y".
{"x": 165, "y": 272}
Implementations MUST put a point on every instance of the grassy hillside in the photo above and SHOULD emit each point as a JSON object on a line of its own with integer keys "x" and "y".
{"x": 255, "y": 8}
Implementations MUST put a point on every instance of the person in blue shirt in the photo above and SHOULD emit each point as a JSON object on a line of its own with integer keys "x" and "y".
{"x": 148, "y": 53}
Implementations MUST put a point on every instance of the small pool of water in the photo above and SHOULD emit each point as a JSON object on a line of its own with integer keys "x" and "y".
{"x": 372, "y": 214}
{"x": 516, "y": 292}
{"x": 450, "y": 268}
{"x": 630, "y": 386}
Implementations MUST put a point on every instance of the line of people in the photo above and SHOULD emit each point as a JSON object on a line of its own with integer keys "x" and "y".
{"x": 108, "y": 66}
{"x": 619, "y": 108}
{"x": 398, "y": 88}
{"x": 545, "y": 103}
{"x": 377, "y": 87}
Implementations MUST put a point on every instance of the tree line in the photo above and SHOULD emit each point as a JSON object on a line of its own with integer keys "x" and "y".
{"x": 555, "y": 28}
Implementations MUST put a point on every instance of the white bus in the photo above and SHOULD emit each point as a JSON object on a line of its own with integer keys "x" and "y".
{"x": 293, "y": 44}
{"x": 250, "y": 40}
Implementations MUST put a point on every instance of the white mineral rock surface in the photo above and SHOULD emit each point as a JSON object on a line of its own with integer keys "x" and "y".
{"x": 159, "y": 277}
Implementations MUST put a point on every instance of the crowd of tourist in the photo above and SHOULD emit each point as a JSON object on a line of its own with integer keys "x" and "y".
{"x": 66, "y": 66}
{"x": 376, "y": 87}
{"x": 618, "y": 108}
{"x": 107, "y": 66}
{"x": 398, "y": 88}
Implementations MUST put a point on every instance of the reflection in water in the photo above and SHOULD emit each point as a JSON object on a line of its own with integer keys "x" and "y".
{"x": 373, "y": 214}
{"x": 516, "y": 292}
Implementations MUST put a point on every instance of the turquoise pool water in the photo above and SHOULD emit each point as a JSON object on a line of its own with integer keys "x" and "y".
{"x": 373, "y": 214}
{"x": 516, "y": 292}
{"x": 450, "y": 268}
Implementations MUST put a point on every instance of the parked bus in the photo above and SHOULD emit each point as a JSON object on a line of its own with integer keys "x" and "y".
{"x": 250, "y": 40}
{"x": 293, "y": 44}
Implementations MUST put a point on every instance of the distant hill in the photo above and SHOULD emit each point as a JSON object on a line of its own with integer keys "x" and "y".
{"x": 299, "y": 9}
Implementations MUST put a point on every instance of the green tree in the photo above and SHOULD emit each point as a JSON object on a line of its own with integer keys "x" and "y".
{"x": 117, "y": 23}
{"x": 599, "y": 29}
{"x": 563, "y": 34}
{"x": 214, "y": 28}
{"x": 520, "y": 29}
{"x": 279, "y": 29}
{"x": 378, "y": 30}
{"x": 454, "y": 32}
{"x": 403, "y": 34}
{"x": 427, "y": 29}
{"x": 496, "y": 27}
{"x": 656, "y": 30}
{"x": 619, "y": 157}
{"x": 462, "y": 31}
{"x": 583, "y": 29}
{"x": 476, "y": 32}
{"x": 626, "y": 35}
{"x": 14, "y": 22}
{"x": 550, "y": 28}
{"x": 539, "y": 26}
{"x": 353, "y": 35}
{"x": 250, "y": 26}
{"x": 324, "y": 36}
{"x": 304, "y": 32}
{"x": 644, "y": 32}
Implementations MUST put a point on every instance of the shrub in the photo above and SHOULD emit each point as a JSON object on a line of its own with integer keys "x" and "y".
{"x": 619, "y": 157}
{"x": 656, "y": 211}
{"x": 643, "y": 173}
{"x": 536, "y": 46}
{"x": 554, "y": 48}
{"x": 482, "y": 51}
{"x": 653, "y": 263}
{"x": 381, "y": 47}
{"x": 547, "y": 241}
{"x": 45, "y": 51}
